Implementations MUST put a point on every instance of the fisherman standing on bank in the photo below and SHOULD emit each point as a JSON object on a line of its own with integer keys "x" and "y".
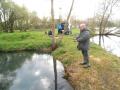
{"x": 83, "y": 44}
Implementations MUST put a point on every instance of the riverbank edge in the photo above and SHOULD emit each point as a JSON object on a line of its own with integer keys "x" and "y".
{"x": 102, "y": 62}
{"x": 68, "y": 54}
{"x": 42, "y": 50}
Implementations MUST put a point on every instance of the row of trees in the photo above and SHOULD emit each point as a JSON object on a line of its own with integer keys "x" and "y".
{"x": 14, "y": 17}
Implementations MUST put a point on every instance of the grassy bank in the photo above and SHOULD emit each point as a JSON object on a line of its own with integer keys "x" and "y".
{"x": 104, "y": 73}
{"x": 23, "y": 41}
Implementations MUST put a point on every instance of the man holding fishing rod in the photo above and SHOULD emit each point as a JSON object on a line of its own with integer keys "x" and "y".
{"x": 83, "y": 43}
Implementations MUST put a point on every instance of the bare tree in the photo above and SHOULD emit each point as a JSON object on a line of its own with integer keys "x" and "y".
{"x": 69, "y": 14}
{"x": 107, "y": 9}
{"x": 67, "y": 20}
{"x": 53, "y": 23}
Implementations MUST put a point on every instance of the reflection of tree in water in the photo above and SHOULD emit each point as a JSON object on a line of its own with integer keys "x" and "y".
{"x": 55, "y": 72}
{"x": 9, "y": 62}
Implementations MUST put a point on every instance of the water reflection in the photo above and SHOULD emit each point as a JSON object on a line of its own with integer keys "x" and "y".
{"x": 111, "y": 44}
{"x": 30, "y": 71}
{"x": 8, "y": 64}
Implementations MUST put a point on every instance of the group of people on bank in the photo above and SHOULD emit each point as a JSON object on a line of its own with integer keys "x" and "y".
{"x": 61, "y": 29}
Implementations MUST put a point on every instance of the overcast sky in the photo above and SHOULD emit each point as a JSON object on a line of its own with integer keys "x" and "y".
{"x": 83, "y": 9}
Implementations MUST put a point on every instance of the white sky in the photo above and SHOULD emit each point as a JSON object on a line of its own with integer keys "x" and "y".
{"x": 82, "y": 8}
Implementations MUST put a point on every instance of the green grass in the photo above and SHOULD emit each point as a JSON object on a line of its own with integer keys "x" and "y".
{"x": 29, "y": 40}
{"x": 104, "y": 73}
{"x": 23, "y": 41}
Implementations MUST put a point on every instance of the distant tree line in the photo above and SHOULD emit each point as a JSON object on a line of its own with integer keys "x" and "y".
{"x": 14, "y": 17}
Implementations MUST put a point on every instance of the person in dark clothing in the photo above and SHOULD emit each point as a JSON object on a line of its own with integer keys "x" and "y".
{"x": 62, "y": 25}
{"x": 83, "y": 44}
{"x": 50, "y": 32}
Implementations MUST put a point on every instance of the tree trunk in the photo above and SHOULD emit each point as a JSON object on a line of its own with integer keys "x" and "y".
{"x": 53, "y": 24}
{"x": 68, "y": 17}
{"x": 11, "y": 22}
{"x": 70, "y": 11}
{"x": 66, "y": 23}
{"x": 100, "y": 40}
{"x": 53, "y": 41}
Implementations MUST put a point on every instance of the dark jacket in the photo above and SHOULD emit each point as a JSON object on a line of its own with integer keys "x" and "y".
{"x": 83, "y": 40}
{"x": 50, "y": 32}
{"x": 62, "y": 25}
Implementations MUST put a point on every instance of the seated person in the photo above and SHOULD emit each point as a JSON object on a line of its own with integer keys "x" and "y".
{"x": 50, "y": 32}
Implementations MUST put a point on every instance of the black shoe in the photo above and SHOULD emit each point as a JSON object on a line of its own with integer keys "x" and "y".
{"x": 87, "y": 66}
{"x": 83, "y": 63}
